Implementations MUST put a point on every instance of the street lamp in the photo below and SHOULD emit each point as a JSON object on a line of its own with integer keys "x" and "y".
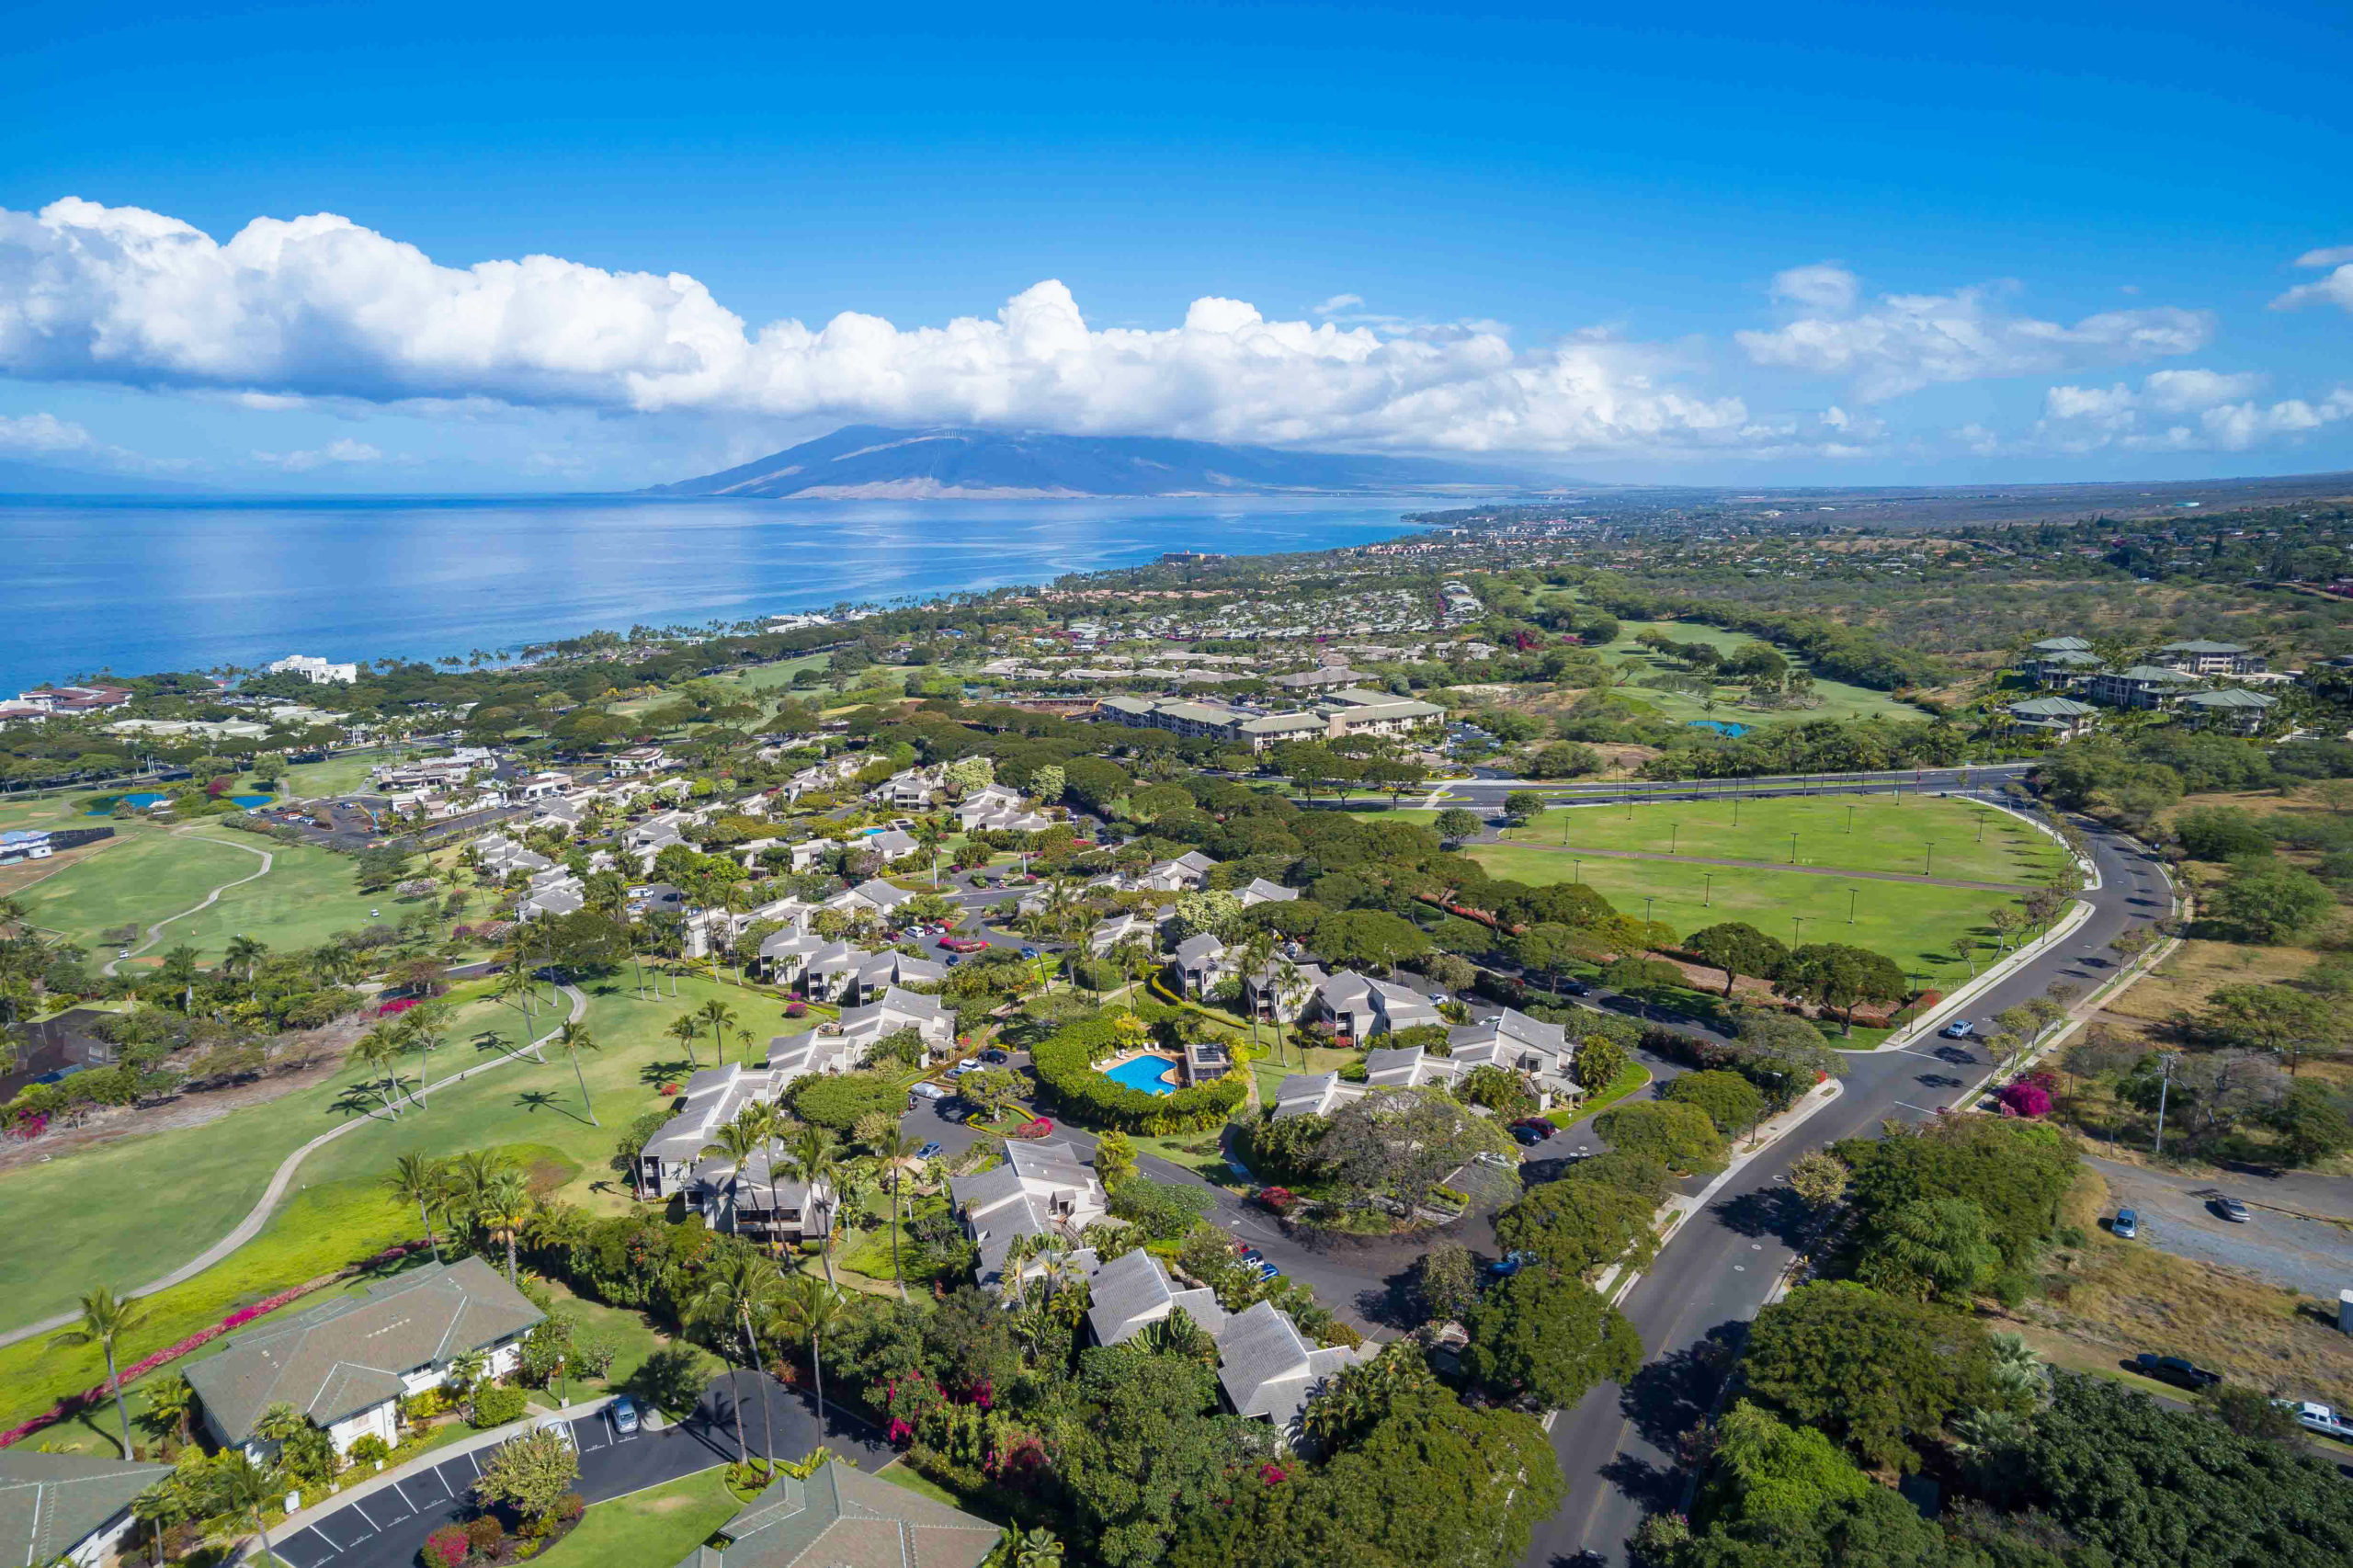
{"x": 1577, "y": 866}
{"x": 1673, "y": 829}
{"x": 1850, "y": 819}
{"x": 1981, "y": 827}
{"x": 1707, "y": 889}
{"x": 1850, "y": 905}
{"x": 1646, "y": 908}
{"x": 1929, "y": 860}
{"x": 1793, "y": 849}
{"x": 1795, "y": 921}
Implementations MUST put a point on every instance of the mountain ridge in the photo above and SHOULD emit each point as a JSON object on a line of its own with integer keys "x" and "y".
{"x": 954, "y": 463}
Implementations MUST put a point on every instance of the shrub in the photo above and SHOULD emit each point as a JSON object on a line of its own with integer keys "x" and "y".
{"x": 495, "y": 1407}
{"x": 2023, "y": 1099}
{"x": 371, "y": 1450}
{"x": 1731, "y": 1101}
{"x": 445, "y": 1548}
{"x": 484, "y": 1534}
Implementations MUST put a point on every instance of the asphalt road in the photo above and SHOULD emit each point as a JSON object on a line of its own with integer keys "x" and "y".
{"x": 1618, "y": 1447}
{"x": 385, "y": 1529}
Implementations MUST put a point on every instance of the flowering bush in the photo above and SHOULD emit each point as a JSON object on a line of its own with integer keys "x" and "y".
{"x": 667, "y": 1089}
{"x": 2026, "y": 1098}
{"x": 1278, "y": 1198}
{"x": 1273, "y": 1474}
{"x": 401, "y": 1005}
{"x": 796, "y": 1009}
{"x": 30, "y": 1126}
{"x": 445, "y": 1548}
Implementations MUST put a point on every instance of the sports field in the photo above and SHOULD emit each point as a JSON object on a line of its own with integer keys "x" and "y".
{"x": 1915, "y": 834}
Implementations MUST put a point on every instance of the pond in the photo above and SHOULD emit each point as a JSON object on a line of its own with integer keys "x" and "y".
{"x": 105, "y": 804}
{"x": 1730, "y": 731}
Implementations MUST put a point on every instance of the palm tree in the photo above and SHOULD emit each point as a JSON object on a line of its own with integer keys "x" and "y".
{"x": 1037, "y": 1549}
{"x": 379, "y": 1050}
{"x": 245, "y": 1487}
{"x": 170, "y": 1403}
{"x": 161, "y": 1505}
{"x": 571, "y": 1039}
{"x": 721, "y": 1017}
{"x": 734, "y": 1293}
{"x": 515, "y": 989}
{"x": 416, "y": 1180}
{"x": 894, "y": 1148}
{"x": 105, "y": 1319}
{"x": 808, "y": 1311}
{"x": 427, "y": 1024}
{"x": 684, "y": 1030}
{"x": 505, "y": 1204}
{"x": 1257, "y": 954}
{"x": 740, "y": 1140}
{"x": 811, "y": 1157}
{"x": 245, "y": 950}
{"x": 1287, "y": 982}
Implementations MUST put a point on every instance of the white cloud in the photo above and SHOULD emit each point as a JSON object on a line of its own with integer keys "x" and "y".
{"x": 42, "y": 433}
{"x": 319, "y": 308}
{"x": 1899, "y": 343}
{"x": 335, "y": 453}
{"x": 2337, "y": 289}
{"x": 1338, "y": 302}
{"x": 2178, "y": 411}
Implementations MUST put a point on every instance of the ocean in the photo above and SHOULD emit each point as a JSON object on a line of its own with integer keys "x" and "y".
{"x": 137, "y": 585}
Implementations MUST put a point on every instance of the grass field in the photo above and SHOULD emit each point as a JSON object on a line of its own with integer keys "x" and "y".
{"x": 148, "y": 873}
{"x": 1912, "y": 922}
{"x": 661, "y": 1525}
{"x": 1839, "y": 700}
{"x": 1943, "y": 836}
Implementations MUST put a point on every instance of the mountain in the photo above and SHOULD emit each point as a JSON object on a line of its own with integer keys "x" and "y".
{"x": 42, "y": 479}
{"x": 866, "y": 461}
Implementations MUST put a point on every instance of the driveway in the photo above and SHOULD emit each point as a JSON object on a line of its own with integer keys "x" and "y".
{"x": 2177, "y": 1213}
{"x": 385, "y": 1529}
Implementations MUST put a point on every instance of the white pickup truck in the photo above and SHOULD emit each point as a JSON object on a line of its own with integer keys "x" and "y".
{"x": 2317, "y": 1418}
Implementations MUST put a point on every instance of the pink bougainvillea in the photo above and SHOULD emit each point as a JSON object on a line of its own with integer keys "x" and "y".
{"x": 2027, "y": 1099}
{"x": 1273, "y": 1474}
{"x": 399, "y": 1004}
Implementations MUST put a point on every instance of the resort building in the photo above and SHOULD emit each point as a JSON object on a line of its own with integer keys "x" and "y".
{"x": 862, "y": 1028}
{"x": 2140, "y": 685}
{"x": 1042, "y": 1189}
{"x": 710, "y": 1099}
{"x": 348, "y": 1363}
{"x": 843, "y": 1517}
{"x": 1189, "y": 872}
{"x": 2233, "y": 709}
{"x": 1360, "y": 1008}
{"x": 760, "y": 1198}
{"x": 69, "y": 1508}
{"x": 1198, "y": 964}
{"x": 2052, "y": 718}
{"x": 2209, "y": 659}
{"x": 318, "y": 672}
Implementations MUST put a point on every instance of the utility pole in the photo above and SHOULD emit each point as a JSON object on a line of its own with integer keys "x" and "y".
{"x": 2164, "y": 1082}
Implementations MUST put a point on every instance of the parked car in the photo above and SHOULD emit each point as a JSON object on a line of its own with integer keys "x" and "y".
{"x": 1438, "y": 998}
{"x": 1538, "y": 1125}
{"x": 1527, "y": 1137}
{"x": 624, "y": 1412}
{"x": 962, "y": 944}
{"x": 1028, "y": 952}
{"x": 1577, "y": 988}
{"x": 2317, "y": 1418}
{"x": 1510, "y": 1264}
{"x": 563, "y": 1430}
{"x": 2231, "y": 1208}
{"x": 952, "y": 961}
{"x": 1960, "y": 1028}
{"x": 2175, "y": 1370}
{"x": 2127, "y": 1224}
{"x": 1269, "y": 1271}
{"x": 927, "y": 1090}
{"x": 995, "y": 1058}
{"x": 1489, "y": 1157}
{"x": 930, "y": 1151}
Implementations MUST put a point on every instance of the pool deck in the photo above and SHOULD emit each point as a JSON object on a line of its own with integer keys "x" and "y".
{"x": 1170, "y": 1080}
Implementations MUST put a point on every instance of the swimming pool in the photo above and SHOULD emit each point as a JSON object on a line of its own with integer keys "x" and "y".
{"x": 1146, "y": 1073}
{"x": 1732, "y": 731}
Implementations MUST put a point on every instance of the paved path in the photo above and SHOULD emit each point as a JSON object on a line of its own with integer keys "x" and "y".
{"x": 250, "y": 1226}
{"x": 155, "y": 932}
{"x": 1581, "y": 853}
{"x": 383, "y": 1527}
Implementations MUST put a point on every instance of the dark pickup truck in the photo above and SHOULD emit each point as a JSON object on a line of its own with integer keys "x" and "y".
{"x": 2175, "y": 1370}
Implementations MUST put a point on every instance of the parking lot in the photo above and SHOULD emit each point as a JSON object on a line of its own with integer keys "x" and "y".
{"x": 2179, "y": 1214}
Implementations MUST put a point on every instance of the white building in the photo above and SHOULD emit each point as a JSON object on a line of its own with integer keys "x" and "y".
{"x": 318, "y": 672}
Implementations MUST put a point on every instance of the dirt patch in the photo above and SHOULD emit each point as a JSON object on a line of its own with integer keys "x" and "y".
{"x": 107, "y": 1125}
{"x": 16, "y": 879}
{"x": 667, "y": 1504}
{"x": 2193, "y": 972}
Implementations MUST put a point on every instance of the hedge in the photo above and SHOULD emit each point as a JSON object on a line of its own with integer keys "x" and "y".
{"x": 1066, "y": 1067}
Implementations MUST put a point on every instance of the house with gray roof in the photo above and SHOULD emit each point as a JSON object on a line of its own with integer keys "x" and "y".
{"x": 1189, "y": 872}
{"x": 68, "y": 1508}
{"x": 1199, "y": 963}
{"x": 842, "y": 1517}
{"x": 1273, "y": 997}
{"x": 710, "y": 1099}
{"x": 1041, "y": 1189}
{"x": 2064, "y": 668}
{"x": 873, "y": 896}
{"x": 761, "y": 1197}
{"x": 1260, "y": 890}
{"x": 1314, "y": 1093}
{"x": 348, "y": 1363}
{"x": 862, "y": 1028}
{"x": 1267, "y": 1369}
{"x": 1132, "y": 1291}
{"x": 2140, "y": 685}
{"x": 1361, "y": 1007}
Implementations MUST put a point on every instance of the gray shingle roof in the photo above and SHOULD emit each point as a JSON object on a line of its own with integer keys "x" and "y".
{"x": 341, "y": 1357}
{"x": 50, "y": 1503}
{"x": 841, "y": 1517}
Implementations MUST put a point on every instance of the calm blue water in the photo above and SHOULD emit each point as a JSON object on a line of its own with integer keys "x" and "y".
{"x": 105, "y": 804}
{"x": 1720, "y": 727}
{"x": 163, "y": 585}
{"x": 249, "y": 801}
{"x": 1144, "y": 1073}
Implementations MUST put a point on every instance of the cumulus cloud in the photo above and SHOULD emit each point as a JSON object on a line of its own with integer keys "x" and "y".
{"x": 2179, "y": 411}
{"x": 42, "y": 433}
{"x": 343, "y": 453}
{"x": 321, "y": 308}
{"x": 1899, "y": 343}
{"x": 2337, "y": 289}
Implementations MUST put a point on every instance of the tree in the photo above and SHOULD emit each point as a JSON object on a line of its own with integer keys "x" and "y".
{"x": 571, "y": 1040}
{"x": 1731, "y": 1101}
{"x": 1682, "y": 1137}
{"x": 1737, "y": 948}
{"x": 415, "y": 1178}
{"x": 1832, "y": 974}
{"x": 1115, "y": 1158}
{"x": 2250, "y": 1413}
{"x": 2269, "y": 901}
{"x": 1818, "y": 1178}
{"x": 1402, "y": 1142}
{"x": 1364, "y": 938}
{"x": 1546, "y": 1337}
{"x": 106, "y": 1319}
{"x": 241, "y": 1488}
{"x": 1769, "y": 1473}
{"x": 1577, "y": 1227}
{"x": 721, "y": 1017}
{"x": 1599, "y": 1060}
{"x": 2276, "y": 1018}
{"x": 1454, "y": 825}
{"x": 503, "y": 1204}
{"x": 1930, "y": 1249}
{"x": 806, "y": 1312}
{"x": 811, "y": 1157}
{"x": 529, "y": 1473}
{"x": 1872, "y": 1371}
{"x": 1522, "y": 807}
{"x": 2312, "y": 1121}
{"x": 685, "y": 1031}
{"x": 1038, "y": 1548}
{"x": 1446, "y": 1281}
{"x": 738, "y": 1290}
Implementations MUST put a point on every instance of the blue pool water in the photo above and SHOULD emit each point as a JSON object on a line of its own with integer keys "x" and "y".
{"x": 250, "y": 801}
{"x": 1732, "y": 730}
{"x": 105, "y": 807}
{"x": 1143, "y": 1072}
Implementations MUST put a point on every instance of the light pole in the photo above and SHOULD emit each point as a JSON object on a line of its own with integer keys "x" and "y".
{"x": 1735, "y": 808}
{"x": 2164, "y": 1082}
{"x": 1578, "y": 868}
{"x": 1850, "y": 819}
{"x": 1793, "y": 849}
{"x": 1646, "y": 909}
{"x": 1673, "y": 830}
{"x": 1795, "y": 921}
{"x": 1707, "y": 889}
{"x": 1928, "y": 861}
{"x": 1850, "y": 905}
{"x": 1981, "y": 827}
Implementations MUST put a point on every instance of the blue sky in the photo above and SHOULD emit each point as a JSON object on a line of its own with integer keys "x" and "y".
{"x": 1854, "y": 245}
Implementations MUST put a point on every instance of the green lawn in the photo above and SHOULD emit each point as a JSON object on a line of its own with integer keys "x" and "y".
{"x": 1912, "y": 922}
{"x": 1630, "y": 1077}
{"x": 340, "y": 775}
{"x": 650, "y": 1529}
{"x": 149, "y": 873}
{"x": 1915, "y": 834}
{"x": 1839, "y": 700}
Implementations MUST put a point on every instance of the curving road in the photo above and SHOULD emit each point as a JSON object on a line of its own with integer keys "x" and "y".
{"x": 1617, "y": 1447}
{"x": 258, "y": 1215}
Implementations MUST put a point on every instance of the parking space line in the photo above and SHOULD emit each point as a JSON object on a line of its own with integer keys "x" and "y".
{"x": 404, "y": 1497}
{"x": 313, "y": 1531}
{"x": 364, "y": 1514}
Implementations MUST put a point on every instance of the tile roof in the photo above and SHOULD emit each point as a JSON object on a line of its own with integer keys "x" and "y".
{"x": 842, "y": 1517}
{"x": 50, "y": 1503}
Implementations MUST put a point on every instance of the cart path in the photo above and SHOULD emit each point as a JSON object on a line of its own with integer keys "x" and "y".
{"x": 1584, "y": 854}
{"x": 250, "y": 1226}
{"x": 155, "y": 932}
